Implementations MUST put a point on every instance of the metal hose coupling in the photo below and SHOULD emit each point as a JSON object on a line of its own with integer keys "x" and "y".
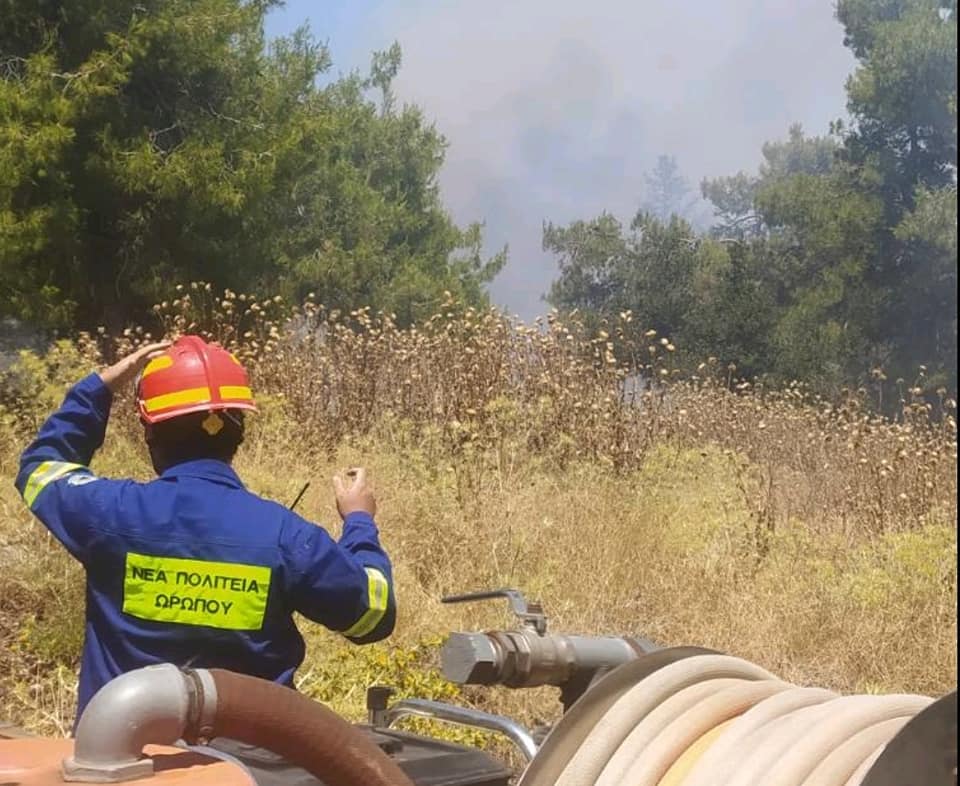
{"x": 529, "y": 657}
{"x": 524, "y": 659}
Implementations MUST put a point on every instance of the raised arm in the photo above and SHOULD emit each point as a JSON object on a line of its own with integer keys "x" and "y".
{"x": 345, "y": 585}
{"x": 54, "y": 473}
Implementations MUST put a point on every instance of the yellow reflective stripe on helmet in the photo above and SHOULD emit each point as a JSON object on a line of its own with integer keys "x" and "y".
{"x": 44, "y": 475}
{"x": 180, "y": 397}
{"x": 226, "y": 595}
{"x": 378, "y": 595}
{"x": 235, "y": 391}
{"x": 157, "y": 364}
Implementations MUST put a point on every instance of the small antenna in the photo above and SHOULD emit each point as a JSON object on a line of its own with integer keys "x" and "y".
{"x": 300, "y": 495}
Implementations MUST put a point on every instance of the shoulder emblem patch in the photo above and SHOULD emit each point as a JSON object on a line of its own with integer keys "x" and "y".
{"x": 80, "y": 480}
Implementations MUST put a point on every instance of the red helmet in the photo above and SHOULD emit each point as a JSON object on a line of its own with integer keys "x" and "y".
{"x": 192, "y": 376}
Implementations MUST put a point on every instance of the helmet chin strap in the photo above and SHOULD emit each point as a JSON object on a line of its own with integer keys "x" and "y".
{"x": 231, "y": 417}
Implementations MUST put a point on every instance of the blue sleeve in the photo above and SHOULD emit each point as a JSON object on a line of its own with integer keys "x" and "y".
{"x": 54, "y": 477}
{"x": 347, "y": 585}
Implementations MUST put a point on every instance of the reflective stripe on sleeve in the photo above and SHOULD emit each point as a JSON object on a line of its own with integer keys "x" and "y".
{"x": 44, "y": 475}
{"x": 378, "y": 596}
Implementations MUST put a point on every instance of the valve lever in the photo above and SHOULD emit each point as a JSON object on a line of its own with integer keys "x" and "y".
{"x": 530, "y": 613}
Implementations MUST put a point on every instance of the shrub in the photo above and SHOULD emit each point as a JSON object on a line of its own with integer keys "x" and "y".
{"x": 811, "y": 536}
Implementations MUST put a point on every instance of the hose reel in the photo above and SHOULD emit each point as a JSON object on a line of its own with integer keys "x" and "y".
{"x": 642, "y": 715}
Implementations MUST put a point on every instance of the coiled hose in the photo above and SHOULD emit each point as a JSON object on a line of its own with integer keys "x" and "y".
{"x": 707, "y": 719}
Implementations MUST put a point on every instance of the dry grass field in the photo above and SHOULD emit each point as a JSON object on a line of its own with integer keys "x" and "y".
{"x": 812, "y": 537}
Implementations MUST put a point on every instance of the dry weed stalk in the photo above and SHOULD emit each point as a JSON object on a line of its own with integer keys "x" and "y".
{"x": 488, "y": 385}
{"x": 584, "y": 467}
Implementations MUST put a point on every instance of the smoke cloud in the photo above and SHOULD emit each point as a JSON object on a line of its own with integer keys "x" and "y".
{"x": 554, "y": 109}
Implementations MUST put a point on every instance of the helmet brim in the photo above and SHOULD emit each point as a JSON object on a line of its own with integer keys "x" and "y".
{"x": 159, "y": 417}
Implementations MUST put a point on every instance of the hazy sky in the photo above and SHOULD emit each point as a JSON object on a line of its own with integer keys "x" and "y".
{"x": 554, "y": 109}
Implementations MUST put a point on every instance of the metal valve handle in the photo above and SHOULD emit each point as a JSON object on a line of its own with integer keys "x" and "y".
{"x": 530, "y": 613}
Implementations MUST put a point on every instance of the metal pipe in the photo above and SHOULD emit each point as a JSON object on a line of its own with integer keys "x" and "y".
{"x": 161, "y": 704}
{"x": 523, "y": 659}
{"x": 148, "y": 705}
{"x": 462, "y": 716}
{"x": 592, "y": 653}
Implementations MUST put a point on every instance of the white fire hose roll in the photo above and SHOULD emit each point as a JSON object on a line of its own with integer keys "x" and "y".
{"x": 657, "y": 720}
{"x": 604, "y": 739}
{"x": 817, "y": 742}
{"x": 837, "y": 768}
{"x": 715, "y": 765}
{"x": 653, "y": 761}
{"x": 861, "y": 772}
{"x": 746, "y": 764}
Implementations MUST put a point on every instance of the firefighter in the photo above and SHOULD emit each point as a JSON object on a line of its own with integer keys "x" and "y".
{"x": 191, "y": 568}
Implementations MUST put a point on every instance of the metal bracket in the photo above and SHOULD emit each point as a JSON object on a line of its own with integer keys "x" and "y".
{"x": 463, "y": 716}
{"x": 530, "y": 613}
{"x": 378, "y": 702}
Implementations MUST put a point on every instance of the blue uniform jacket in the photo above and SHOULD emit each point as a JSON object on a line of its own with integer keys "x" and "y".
{"x": 191, "y": 568}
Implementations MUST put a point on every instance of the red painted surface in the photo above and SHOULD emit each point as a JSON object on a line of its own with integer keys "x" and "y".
{"x": 36, "y": 761}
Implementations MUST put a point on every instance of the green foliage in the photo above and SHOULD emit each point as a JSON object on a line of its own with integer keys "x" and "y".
{"x": 34, "y": 385}
{"x": 734, "y": 197}
{"x": 933, "y": 220}
{"x": 903, "y": 99}
{"x": 911, "y": 567}
{"x": 605, "y": 271}
{"x": 836, "y": 262}
{"x": 808, "y": 229}
{"x": 164, "y": 140}
{"x": 903, "y": 94}
{"x": 928, "y": 234}
{"x": 737, "y": 288}
{"x": 340, "y": 677}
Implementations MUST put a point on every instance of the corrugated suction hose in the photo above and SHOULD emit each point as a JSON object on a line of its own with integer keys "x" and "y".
{"x": 303, "y": 731}
{"x": 715, "y": 720}
{"x": 162, "y": 704}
